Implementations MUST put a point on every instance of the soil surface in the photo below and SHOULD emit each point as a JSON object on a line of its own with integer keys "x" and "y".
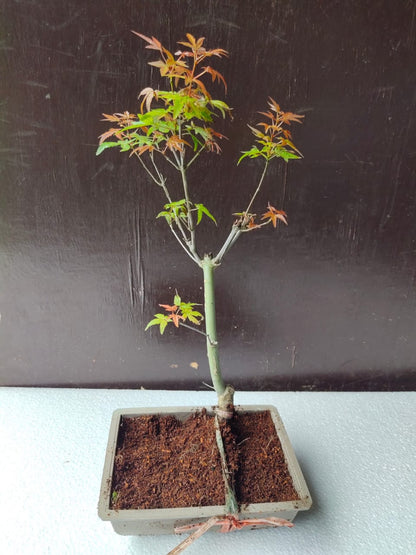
{"x": 162, "y": 462}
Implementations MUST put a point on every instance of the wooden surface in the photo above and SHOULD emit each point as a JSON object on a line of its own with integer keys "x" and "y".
{"x": 328, "y": 302}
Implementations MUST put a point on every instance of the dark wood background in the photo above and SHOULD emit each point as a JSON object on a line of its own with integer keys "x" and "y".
{"x": 326, "y": 303}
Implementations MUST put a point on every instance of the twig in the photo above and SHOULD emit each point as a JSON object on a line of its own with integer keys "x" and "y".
{"x": 193, "y": 329}
{"x": 228, "y": 523}
{"x": 198, "y": 532}
{"x": 236, "y": 230}
{"x": 188, "y": 252}
{"x": 258, "y": 187}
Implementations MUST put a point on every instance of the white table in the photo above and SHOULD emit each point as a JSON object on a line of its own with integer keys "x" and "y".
{"x": 357, "y": 452}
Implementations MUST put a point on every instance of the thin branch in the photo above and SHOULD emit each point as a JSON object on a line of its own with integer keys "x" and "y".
{"x": 236, "y": 230}
{"x": 148, "y": 171}
{"x": 192, "y": 160}
{"x": 228, "y": 243}
{"x": 181, "y": 162}
{"x": 258, "y": 187}
{"x": 193, "y": 329}
{"x": 169, "y": 160}
{"x": 188, "y": 205}
{"x": 188, "y": 248}
{"x": 185, "y": 247}
{"x": 191, "y": 228}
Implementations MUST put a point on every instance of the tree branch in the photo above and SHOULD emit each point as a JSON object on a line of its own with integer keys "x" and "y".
{"x": 185, "y": 247}
{"x": 236, "y": 230}
{"x": 258, "y": 187}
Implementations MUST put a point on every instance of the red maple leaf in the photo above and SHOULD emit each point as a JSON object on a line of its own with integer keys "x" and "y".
{"x": 273, "y": 215}
{"x": 169, "y": 308}
{"x": 175, "y": 317}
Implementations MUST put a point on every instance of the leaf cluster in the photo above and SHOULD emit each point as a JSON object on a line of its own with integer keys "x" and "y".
{"x": 247, "y": 221}
{"x": 183, "y": 113}
{"x": 274, "y": 140}
{"x": 176, "y": 313}
{"x": 178, "y": 210}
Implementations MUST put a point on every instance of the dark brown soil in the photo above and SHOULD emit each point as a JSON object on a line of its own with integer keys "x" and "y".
{"x": 262, "y": 475}
{"x": 162, "y": 462}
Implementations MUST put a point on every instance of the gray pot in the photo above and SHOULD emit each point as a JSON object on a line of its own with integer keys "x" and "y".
{"x": 164, "y": 521}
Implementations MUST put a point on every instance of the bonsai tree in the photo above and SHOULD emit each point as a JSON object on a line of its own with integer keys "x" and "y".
{"x": 174, "y": 127}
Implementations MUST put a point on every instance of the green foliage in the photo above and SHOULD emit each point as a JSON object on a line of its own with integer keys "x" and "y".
{"x": 201, "y": 209}
{"x": 183, "y": 112}
{"x": 177, "y": 124}
{"x": 177, "y": 313}
{"x": 161, "y": 320}
{"x": 275, "y": 139}
{"x": 173, "y": 211}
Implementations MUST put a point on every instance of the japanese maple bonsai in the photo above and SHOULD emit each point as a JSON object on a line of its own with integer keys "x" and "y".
{"x": 174, "y": 127}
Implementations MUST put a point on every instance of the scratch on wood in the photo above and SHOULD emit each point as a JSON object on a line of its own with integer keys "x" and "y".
{"x": 230, "y": 24}
{"x": 278, "y": 38}
{"x": 136, "y": 271}
{"x": 294, "y": 355}
{"x": 65, "y": 23}
{"x": 35, "y": 84}
{"x": 131, "y": 280}
{"x": 106, "y": 166}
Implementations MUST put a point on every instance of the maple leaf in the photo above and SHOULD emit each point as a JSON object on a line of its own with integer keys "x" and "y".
{"x": 123, "y": 119}
{"x": 216, "y": 52}
{"x": 110, "y": 117}
{"x": 214, "y": 75}
{"x": 193, "y": 43}
{"x": 153, "y": 43}
{"x": 142, "y": 149}
{"x": 273, "y": 215}
{"x": 274, "y": 105}
{"x": 148, "y": 94}
{"x": 174, "y": 142}
{"x": 169, "y": 308}
{"x": 175, "y": 318}
{"x": 107, "y": 134}
{"x": 287, "y": 117}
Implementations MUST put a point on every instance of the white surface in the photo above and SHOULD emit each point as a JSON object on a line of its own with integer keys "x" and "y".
{"x": 357, "y": 452}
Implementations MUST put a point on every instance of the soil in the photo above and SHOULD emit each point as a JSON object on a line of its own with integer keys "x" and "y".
{"x": 162, "y": 462}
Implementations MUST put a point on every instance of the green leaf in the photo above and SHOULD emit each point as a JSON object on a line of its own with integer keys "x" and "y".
{"x": 177, "y": 300}
{"x": 221, "y": 106}
{"x": 175, "y": 204}
{"x": 256, "y": 132}
{"x": 125, "y": 146}
{"x": 194, "y": 320}
{"x": 178, "y": 105}
{"x": 205, "y": 134}
{"x": 166, "y": 215}
{"x": 197, "y": 144}
{"x": 163, "y": 325}
{"x": 252, "y": 153}
{"x": 104, "y": 146}
{"x": 189, "y": 313}
{"x": 286, "y": 154}
{"x": 203, "y": 210}
{"x": 161, "y": 320}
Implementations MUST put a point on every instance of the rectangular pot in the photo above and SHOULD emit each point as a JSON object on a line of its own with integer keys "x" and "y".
{"x": 164, "y": 521}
